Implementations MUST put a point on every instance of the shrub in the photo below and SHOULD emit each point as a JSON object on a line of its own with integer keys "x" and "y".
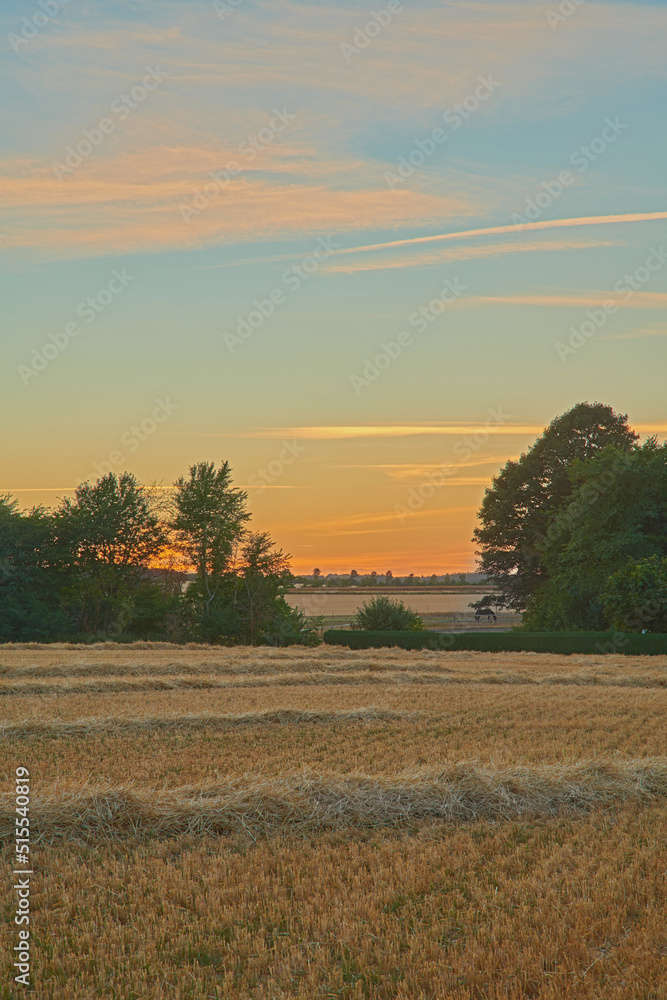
{"x": 651, "y": 644}
{"x": 381, "y": 614}
{"x": 635, "y": 597}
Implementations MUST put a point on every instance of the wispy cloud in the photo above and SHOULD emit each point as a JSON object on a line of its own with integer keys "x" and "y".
{"x": 339, "y": 433}
{"x": 132, "y": 200}
{"x": 588, "y": 220}
{"x": 419, "y": 470}
{"x": 638, "y": 300}
{"x": 658, "y": 331}
{"x": 448, "y": 255}
{"x": 348, "y": 523}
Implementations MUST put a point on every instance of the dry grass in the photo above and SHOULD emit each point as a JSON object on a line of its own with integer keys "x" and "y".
{"x": 30, "y": 728}
{"x": 310, "y": 803}
{"x": 109, "y": 670}
{"x": 383, "y": 824}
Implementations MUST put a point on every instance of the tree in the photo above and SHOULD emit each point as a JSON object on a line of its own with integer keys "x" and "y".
{"x": 317, "y": 573}
{"x": 208, "y": 523}
{"x": 617, "y": 511}
{"x": 525, "y": 496}
{"x": 383, "y": 614}
{"x": 488, "y": 601}
{"x": 635, "y": 597}
{"x": 111, "y": 530}
{"x": 33, "y": 569}
{"x": 260, "y": 587}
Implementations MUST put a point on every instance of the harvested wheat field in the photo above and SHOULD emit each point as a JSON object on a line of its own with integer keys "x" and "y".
{"x": 328, "y": 823}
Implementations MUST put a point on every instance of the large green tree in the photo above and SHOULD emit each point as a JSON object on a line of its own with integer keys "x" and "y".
{"x": 111, "y": 530}
{"x": 518, "y": 507}
{"x": 616, "y": 512}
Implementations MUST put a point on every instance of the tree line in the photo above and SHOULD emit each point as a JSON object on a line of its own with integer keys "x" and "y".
{"x": 374, "y": 579}
{"x": 112, "y": 562}
{"x": 574, "y": 532}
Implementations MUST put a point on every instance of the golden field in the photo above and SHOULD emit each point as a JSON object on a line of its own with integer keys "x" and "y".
{"x": 328, "y": 823}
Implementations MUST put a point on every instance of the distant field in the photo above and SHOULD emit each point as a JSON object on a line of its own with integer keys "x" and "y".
{"x": 436, "y": 609}
{"x": 330, "y": 823}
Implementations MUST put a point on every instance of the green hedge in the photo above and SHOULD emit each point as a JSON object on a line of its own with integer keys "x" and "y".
{"x": 651, "y": 644}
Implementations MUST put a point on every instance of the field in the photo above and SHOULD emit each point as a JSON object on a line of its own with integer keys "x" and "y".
{"x": 330, "y": 823}
{"x": 437, "y": 609}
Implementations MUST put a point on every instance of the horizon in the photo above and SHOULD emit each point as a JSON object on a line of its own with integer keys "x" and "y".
{"x": 366, "y": 256}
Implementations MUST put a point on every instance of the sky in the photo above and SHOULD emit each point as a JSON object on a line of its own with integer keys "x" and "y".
{"x": 363, "y": 253}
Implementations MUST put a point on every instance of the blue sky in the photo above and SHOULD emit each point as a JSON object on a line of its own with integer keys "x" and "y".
{"x": 328, "y": 123}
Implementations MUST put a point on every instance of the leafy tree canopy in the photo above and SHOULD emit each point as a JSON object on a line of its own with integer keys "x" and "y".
{"x": 635, "y": 597}
{"x": 517, "y": 509}
{"x": 616, "y": 512}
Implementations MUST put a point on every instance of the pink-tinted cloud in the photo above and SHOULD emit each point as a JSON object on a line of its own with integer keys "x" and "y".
{"x": 158, "y": 198}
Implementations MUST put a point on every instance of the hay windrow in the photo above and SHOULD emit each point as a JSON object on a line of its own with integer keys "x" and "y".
{"x": 194, "y": 682}
{"x": 30, "y": 728}
{"x": 309, "y": 802}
